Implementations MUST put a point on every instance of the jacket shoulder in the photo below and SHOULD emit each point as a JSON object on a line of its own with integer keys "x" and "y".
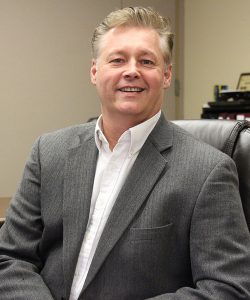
{"x": 56, "y": 144}
{"x": 192, "y": 151}
{"x": 69, "y": 136}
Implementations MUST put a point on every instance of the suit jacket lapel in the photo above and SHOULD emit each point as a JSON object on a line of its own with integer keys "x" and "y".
{"x": 151, "y": 162}
{"x": 78, "y": 184}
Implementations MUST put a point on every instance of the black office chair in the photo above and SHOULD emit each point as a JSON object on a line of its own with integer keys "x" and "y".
{"x": 233, "y": 138}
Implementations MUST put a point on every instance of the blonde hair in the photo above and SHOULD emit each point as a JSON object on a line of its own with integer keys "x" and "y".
{"x": 138, "y": 17}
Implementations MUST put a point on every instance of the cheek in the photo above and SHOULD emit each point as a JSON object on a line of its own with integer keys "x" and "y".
{"x": 105, "y": 86}
{"x": 157, "y": 82}
{"x": 155, "y": 77}
{"x": 107, "y": 78}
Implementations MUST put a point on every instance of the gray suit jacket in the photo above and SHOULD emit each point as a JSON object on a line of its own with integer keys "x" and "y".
{"x": 176, "y": 231}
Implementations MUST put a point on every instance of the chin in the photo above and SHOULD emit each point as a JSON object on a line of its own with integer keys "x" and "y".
{"x": 131, "y": 111}
{"x": 131, "y": 107}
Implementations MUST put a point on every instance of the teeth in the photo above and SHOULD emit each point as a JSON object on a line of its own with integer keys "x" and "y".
{"x": 131, "y": 89}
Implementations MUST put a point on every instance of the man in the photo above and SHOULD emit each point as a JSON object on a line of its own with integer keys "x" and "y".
{"x": 131, "y": 207}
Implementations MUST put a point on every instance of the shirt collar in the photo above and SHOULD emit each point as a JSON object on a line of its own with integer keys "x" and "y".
{"x": 100, "y": 138}
{"x": 136, "y": 135}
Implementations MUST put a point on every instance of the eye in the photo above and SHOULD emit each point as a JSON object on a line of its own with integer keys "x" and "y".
{"x": 147, "y": 62}
{"x": 117, "y": 61}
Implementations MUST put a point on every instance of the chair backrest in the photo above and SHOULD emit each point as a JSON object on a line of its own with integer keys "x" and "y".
{"x": 233, "y": 138}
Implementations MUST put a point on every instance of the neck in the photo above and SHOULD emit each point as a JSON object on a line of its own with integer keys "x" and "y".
{"x": 115, "y": 125}
{"x": 113, "y": 131}
{"x": 113, "y": 128}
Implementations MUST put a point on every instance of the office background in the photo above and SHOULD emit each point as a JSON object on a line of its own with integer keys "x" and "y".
{"x": 45, "y": 58}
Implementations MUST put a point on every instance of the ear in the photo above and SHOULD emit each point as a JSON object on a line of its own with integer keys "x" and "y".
{"x": 167, "y": 77}
{"x": 93, "y": 71}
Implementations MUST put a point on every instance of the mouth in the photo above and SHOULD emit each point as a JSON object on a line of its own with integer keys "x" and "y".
{"x": 131, "y": 89}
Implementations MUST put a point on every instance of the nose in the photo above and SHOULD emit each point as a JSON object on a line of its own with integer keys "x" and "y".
{"x": 131, "y": 71}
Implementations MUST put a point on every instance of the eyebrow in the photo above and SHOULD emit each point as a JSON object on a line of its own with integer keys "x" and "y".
{"x": 123, "y": 53}
{"x": 120, "y": 52}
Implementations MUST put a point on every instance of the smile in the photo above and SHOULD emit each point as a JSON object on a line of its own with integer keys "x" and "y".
{"x": 131, "y": 89}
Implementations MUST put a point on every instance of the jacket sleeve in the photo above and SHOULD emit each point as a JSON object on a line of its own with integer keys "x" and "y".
{"x": 219, "y": 241}
{"x": 20, "y": 262}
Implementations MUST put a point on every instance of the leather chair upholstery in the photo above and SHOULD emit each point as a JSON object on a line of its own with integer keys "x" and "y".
{"x": 233, "y": 138}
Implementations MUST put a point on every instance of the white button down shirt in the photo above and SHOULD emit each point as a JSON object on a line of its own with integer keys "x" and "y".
{"x": 111, "y": 171}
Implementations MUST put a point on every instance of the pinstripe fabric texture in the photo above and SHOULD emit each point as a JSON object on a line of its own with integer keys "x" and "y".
{"x": 176, "y": 231}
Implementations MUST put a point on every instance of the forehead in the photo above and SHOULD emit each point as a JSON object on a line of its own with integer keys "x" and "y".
{"x": 122, "y": 38}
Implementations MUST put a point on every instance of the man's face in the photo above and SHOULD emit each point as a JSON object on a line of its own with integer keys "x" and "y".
{"x": 129, "y": 73}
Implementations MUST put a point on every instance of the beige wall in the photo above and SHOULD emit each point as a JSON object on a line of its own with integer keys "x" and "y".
{"x": 217, "y": 48}
{"x": 4, "y": 204}
{"x": 44, "y": 72}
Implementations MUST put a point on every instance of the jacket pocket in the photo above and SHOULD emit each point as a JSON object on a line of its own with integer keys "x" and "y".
{"x": 140, "y": 234}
